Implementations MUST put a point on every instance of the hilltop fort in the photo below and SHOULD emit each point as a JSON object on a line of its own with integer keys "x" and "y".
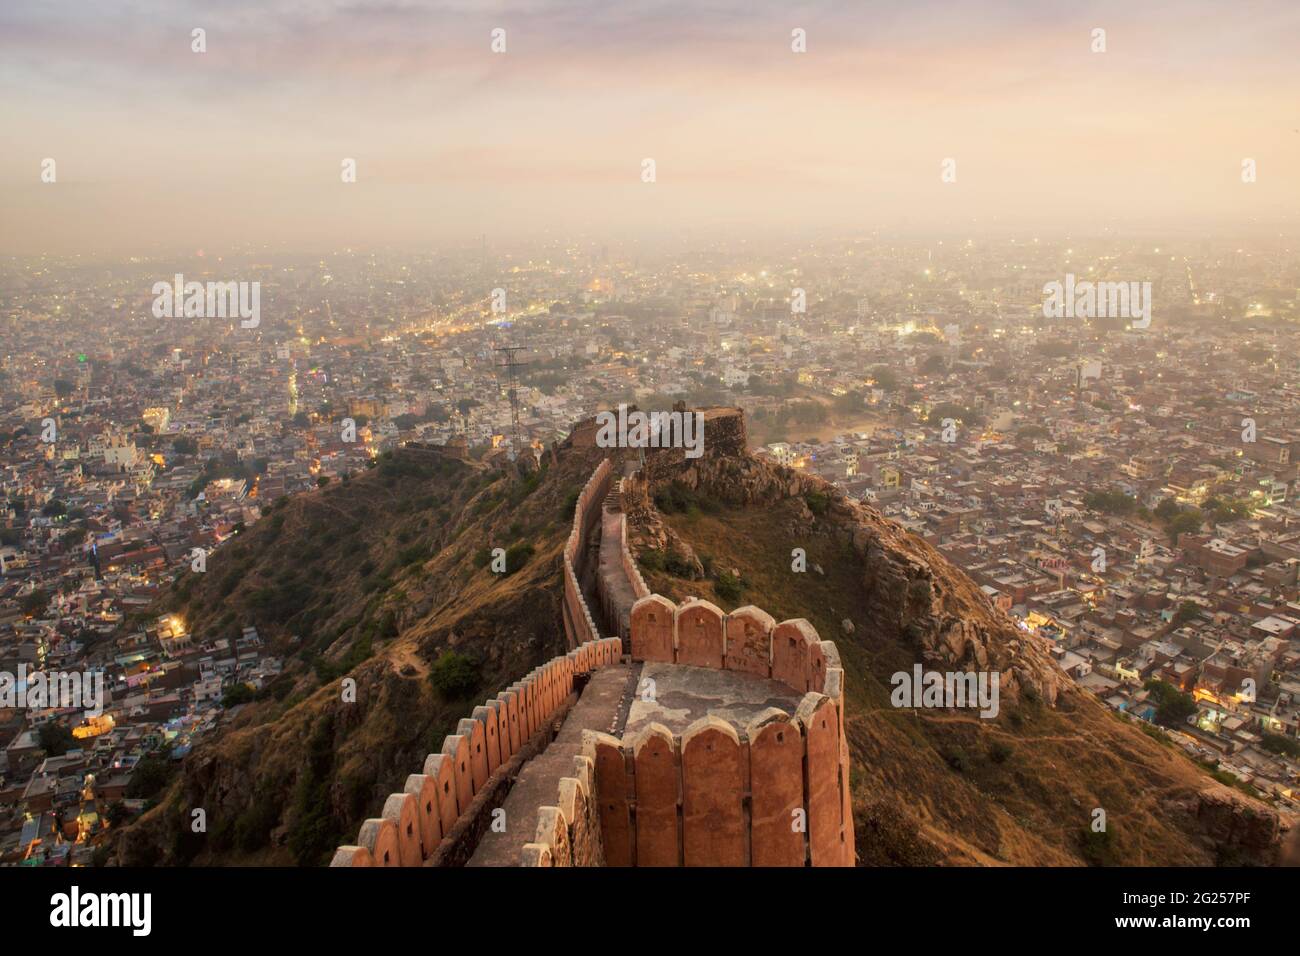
{"x": 686, "y": 737}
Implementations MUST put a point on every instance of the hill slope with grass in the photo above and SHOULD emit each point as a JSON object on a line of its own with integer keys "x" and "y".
{"x": 383, "y": 579}
{"x": 934, "y": 786}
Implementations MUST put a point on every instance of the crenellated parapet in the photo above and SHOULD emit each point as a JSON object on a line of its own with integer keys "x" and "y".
{"x": 414, "y": 824}
{"x": 746, "y": 784}
{"x": 774, "y": 792}
{"x": 580, "y": 626}
{"x": 630, "y": 566}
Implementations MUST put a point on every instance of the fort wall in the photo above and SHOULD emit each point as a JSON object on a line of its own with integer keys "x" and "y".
{"x": 773, "y": 794}
{"x": 579, "y": 625}
{"x": 629, "y": 563}
{"x": 415, "y": 825}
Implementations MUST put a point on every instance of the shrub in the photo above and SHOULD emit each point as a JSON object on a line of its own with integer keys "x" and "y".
{"x": 517, "y": 556}
{"x": 958, "y": 760}
{"x": 570, "y": 503}
{"x": 239, "y": 694}
{"x": 455, "y": 676}
{"x": 652, "y": 560}
{"x": 818, "y": 502}
{"x": 253, "y": 828}
{"x": 728, "y": 587}
{"x": 1098, "y": 848}
{"x": 675, "y": 563}
{"x": 999, "y": 751}
{"x": 149, "y": 777}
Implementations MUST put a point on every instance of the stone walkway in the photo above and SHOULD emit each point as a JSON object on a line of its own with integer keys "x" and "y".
{"x": 619, "y": 588}
{"x": 602, "y": 704}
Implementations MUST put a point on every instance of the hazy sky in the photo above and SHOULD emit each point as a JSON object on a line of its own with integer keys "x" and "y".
{"x": 160, "y": 148}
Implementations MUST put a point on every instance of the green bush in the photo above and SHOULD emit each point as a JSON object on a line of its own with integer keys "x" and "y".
{"x": 239, "y": 694}
{"x": 999, "y": 752}
{"x": 728, "y": 587}
{"x": 253, "y": 828}
{"x": 517, "y": 556}
{"x": 1097, "y": 848}
{"x": 652, "y": 560}
{"x": 312, "y": 835}
{"x": 455, "y": 676}
{"x": 1281, "y": 745}
{"x": 675, "y": 563}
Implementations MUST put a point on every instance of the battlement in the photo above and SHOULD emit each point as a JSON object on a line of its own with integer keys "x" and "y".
{"x": 760, "y": 786}
{"x": 579, "y": 625}
{"x": 718, "y": 741}
{"x": 423, "y": 820}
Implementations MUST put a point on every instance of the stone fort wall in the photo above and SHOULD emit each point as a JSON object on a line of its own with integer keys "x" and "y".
{"x": 579, "y": 625}
{"x": 774, "y": 794}
{"x": 415, "y": 824}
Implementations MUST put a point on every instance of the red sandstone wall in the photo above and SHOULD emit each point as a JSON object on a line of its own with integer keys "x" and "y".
{"x": 414, "y": 823}
{"x": 629, "y": 563}
{"x": 579, "y": 625}
{"x": 681, "y": 801}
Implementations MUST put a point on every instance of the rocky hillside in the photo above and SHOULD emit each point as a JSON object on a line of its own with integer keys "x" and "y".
{"x": 933, "y": 786}
{"x": 383, "y": 579}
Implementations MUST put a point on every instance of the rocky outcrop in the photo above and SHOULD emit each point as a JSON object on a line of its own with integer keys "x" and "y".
{"x": 1236, "y": 828}
{"x": 912, "y": 591}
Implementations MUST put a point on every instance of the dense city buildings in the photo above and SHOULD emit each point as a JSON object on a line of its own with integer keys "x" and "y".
{"x": 1127, "y": 492}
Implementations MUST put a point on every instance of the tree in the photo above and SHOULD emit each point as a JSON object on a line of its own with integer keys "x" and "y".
{"x": 1187, "y": 611}
{"x": 55, "y": 738}
{"x": 1173, "y": 707}
{"x": 149, "y": 777}
{"x": 850, "y": 402}
{"x": 117, "y": 813}
{"x": 239, "y": 694}
{"x": 952, "y": 410}
{"x": 36, "y": 603}
{"x": 455, "y": 676}
{"x": 884, "y": 377}
{"x": 1281, "y": 745}
{"x": 1188, "y": 521}
{"x": 936, "y": 362}
{"x": 1113, "y": 502}
{"x": 1167, "y": 509}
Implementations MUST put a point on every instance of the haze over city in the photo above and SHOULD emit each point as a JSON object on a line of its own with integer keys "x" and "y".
{"x": 669, "y": 435}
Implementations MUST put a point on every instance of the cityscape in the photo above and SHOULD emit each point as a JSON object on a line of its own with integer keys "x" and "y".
{"x": 1126, "y": 494}
{"x": 664, "y": 437}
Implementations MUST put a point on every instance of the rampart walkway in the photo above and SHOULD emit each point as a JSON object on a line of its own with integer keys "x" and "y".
{"x": 597, "y": 709}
